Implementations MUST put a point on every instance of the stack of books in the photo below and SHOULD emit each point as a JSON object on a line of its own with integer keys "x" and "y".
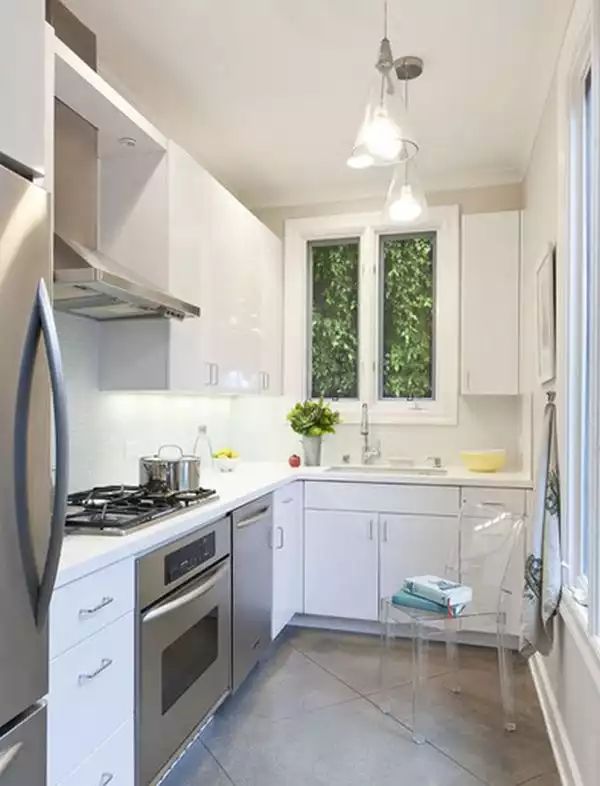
{"x": 432, "y": 593}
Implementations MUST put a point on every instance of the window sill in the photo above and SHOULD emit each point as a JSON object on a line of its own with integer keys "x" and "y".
{"x": 576, "y": 619}
{"x": 387, "y": 414}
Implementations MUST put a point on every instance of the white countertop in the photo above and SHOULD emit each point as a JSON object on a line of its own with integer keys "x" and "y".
{"x": 83, "y": 554}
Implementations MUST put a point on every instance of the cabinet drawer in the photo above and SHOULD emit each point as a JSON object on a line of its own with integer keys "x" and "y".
{"x": 112, "y": 763}
{"x": 382, "y": 497}
{"x": 288, "y": 496}
{"x": 83, "y": 607}
{"x": 91, "y": 695}
{"x": 513, "y": 500}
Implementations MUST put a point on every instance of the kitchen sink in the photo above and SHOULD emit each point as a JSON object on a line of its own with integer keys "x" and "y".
{"x": 387, "y": 469}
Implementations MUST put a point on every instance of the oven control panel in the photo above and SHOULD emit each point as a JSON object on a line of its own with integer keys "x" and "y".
{"x": 188, "y": 558}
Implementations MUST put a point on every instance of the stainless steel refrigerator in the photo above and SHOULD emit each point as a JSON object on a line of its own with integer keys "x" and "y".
{"x": 32, "y": 513}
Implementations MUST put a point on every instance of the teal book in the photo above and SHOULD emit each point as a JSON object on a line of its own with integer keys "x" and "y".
{"x": 407, "y": 599}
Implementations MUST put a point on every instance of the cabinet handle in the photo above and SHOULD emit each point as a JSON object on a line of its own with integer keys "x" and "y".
{"x": 371, "y": 529}
{"x": 208, "y": 376}
{"x": 281, "y": 538}
{"x": 468, "y": 380}
{"x": 267, "y": 381}
{"x": 287, "y": 501}
{"x": 216, "y": 365}
{"x": 104, "y": 664}
{"x": 106, "y": 778}
{"x": 106, "y": 601}
{"x": 493, "y": 504}
{"x": 385, "y": 530}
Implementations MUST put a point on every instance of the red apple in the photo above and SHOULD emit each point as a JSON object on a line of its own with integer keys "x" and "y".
{"x": 294, "y": 461}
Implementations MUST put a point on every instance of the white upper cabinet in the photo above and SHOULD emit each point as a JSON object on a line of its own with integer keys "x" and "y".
{"x": 490, "y": 303}
{"x": 22, "y": 83}
{"x": 204, "y": 246}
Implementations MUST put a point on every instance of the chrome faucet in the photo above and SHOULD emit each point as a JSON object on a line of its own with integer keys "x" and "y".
{"x": 368, "y": 453}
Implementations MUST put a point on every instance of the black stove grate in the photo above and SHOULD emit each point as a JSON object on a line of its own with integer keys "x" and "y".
{"x": 123, "y": 508}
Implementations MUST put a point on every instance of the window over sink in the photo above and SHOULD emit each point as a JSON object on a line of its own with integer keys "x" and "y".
{"x": 372, "y": 314}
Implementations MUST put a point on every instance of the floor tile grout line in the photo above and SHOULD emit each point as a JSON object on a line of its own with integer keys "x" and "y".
{"x": 218, "y": 763}
{"x": 393, "y": 717}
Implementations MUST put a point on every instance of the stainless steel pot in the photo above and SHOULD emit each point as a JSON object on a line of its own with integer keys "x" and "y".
{"x": 176, "y": 474}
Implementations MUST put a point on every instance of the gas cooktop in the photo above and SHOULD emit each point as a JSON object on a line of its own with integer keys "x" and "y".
{"x": 119, "y": 510}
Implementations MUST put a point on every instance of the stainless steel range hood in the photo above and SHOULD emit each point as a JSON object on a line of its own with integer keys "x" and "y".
{"x": 89, "y": 284}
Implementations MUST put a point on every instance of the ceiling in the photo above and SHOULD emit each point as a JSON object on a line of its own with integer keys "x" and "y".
{"x": 268, "y": 94}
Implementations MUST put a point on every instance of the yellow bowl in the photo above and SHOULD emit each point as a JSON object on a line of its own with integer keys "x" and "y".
{"x": 483, "y": 460}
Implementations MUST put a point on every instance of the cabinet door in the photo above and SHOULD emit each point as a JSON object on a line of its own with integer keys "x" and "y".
{"x": 234, "y": 256}
{"x": 288, "y": 555}
{"x": 340, "y": 564}
{"x": 415, "y": 546}
{"x": 271, "y": 312}
{"x": 192, "y": 341}
{"x": 22, "y": 82}
{"x": 490, "y": 298}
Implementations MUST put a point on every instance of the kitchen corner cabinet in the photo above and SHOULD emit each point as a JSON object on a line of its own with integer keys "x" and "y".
{"x": 490, "y": 303}
{"x": 23, "y": 82}
{"x": 219, "y": 257}
{"x": 288, "y": 550}
{"x": 340, "y": 564}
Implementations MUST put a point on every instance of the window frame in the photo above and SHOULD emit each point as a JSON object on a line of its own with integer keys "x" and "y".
{"x": 369, "y": 227}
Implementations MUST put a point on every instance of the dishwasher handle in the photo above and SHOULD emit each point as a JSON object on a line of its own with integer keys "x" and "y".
{"x": 259, "y": 516}
{"x": 211, "y": 580}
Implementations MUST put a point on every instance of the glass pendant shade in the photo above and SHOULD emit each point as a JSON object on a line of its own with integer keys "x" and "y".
{"x": 384, "y": 137}
{"x": 406, "y": 200}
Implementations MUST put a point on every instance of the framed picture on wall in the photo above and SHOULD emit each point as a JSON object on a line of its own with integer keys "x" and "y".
{"x": 546, "y": 316}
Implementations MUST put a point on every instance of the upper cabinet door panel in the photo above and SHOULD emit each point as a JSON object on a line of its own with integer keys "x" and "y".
{"x": 490, "y": 298}
{"x": 22, "y": 82}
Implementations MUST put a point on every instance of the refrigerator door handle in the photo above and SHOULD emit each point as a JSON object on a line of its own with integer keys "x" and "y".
{"x": 41, "y": 324}
{"x": 8, "y": 756}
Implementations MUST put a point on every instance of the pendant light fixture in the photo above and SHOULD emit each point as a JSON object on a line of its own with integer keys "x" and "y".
{"x": 406, "y": 200}
{"x": 383, "y": 137}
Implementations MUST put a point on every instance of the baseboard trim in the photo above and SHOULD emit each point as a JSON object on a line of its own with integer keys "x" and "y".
{"x": 566, "y": 763}
{"x": 373, "y": 628}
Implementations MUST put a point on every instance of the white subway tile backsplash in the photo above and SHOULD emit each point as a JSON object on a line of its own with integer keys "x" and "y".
{"x": 110, "y": 431}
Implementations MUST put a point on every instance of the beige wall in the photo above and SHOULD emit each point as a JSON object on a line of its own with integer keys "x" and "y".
{"x": 569, "y": 676}
{"x": 471, "y": 200}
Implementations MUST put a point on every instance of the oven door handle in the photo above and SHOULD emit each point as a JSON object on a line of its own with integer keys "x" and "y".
{"x": 171, "y": 605}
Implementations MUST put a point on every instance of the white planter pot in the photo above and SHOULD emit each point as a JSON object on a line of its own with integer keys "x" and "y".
{"x": 312, "y": 451}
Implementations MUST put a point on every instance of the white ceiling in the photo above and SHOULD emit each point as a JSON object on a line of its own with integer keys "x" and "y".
{"x": 268, "y": 94}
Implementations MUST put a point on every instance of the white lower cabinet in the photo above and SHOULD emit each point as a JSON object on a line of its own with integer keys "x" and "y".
{"x": 340, "y": 564}
{"x": 414, "y": 546}
{"x": 91, "y": 695}
{"x": 288, "y": 536}
{"x": 112, "y": 763}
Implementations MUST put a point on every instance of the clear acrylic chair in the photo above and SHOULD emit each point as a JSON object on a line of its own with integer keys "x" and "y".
{"x": 489, "y": 558}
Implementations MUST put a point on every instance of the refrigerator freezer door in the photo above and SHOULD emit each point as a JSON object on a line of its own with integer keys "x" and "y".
{"x": 23, "y": 751}
{"x": 25, "y": 242}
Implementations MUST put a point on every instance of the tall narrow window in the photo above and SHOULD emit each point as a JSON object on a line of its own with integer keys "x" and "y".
{"x": 585, "y": 375}
{"x": 406, "y": 363}
{"x": 334, "y": 272}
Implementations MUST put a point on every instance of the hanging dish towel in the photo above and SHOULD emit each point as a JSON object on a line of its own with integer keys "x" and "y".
{"x": 543, "y": 567}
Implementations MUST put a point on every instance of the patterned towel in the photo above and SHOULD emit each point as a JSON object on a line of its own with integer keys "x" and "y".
{"x": 543, "y": 567}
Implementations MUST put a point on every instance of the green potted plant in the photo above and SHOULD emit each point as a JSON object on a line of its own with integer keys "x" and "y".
{"x": 312, "y": 420}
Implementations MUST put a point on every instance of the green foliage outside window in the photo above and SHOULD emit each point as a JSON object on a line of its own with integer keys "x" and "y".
{"x": 334, "y": 345}
{"x": 408, "y": 307}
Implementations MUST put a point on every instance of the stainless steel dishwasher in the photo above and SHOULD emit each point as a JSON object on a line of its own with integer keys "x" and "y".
{"x": 252, "y": 557}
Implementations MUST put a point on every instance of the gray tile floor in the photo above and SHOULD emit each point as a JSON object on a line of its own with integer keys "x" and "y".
{"x": 311, "y": 716}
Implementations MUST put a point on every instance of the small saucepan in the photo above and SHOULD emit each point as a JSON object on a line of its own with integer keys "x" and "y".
{"x": 179, "y": 473}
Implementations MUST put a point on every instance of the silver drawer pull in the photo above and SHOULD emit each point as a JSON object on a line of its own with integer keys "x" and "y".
{"x": 104, "y": 664}
{"x": 287, "y": 501}
{"x": 106, "y": 778}
{"x": 106, "y": 601}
